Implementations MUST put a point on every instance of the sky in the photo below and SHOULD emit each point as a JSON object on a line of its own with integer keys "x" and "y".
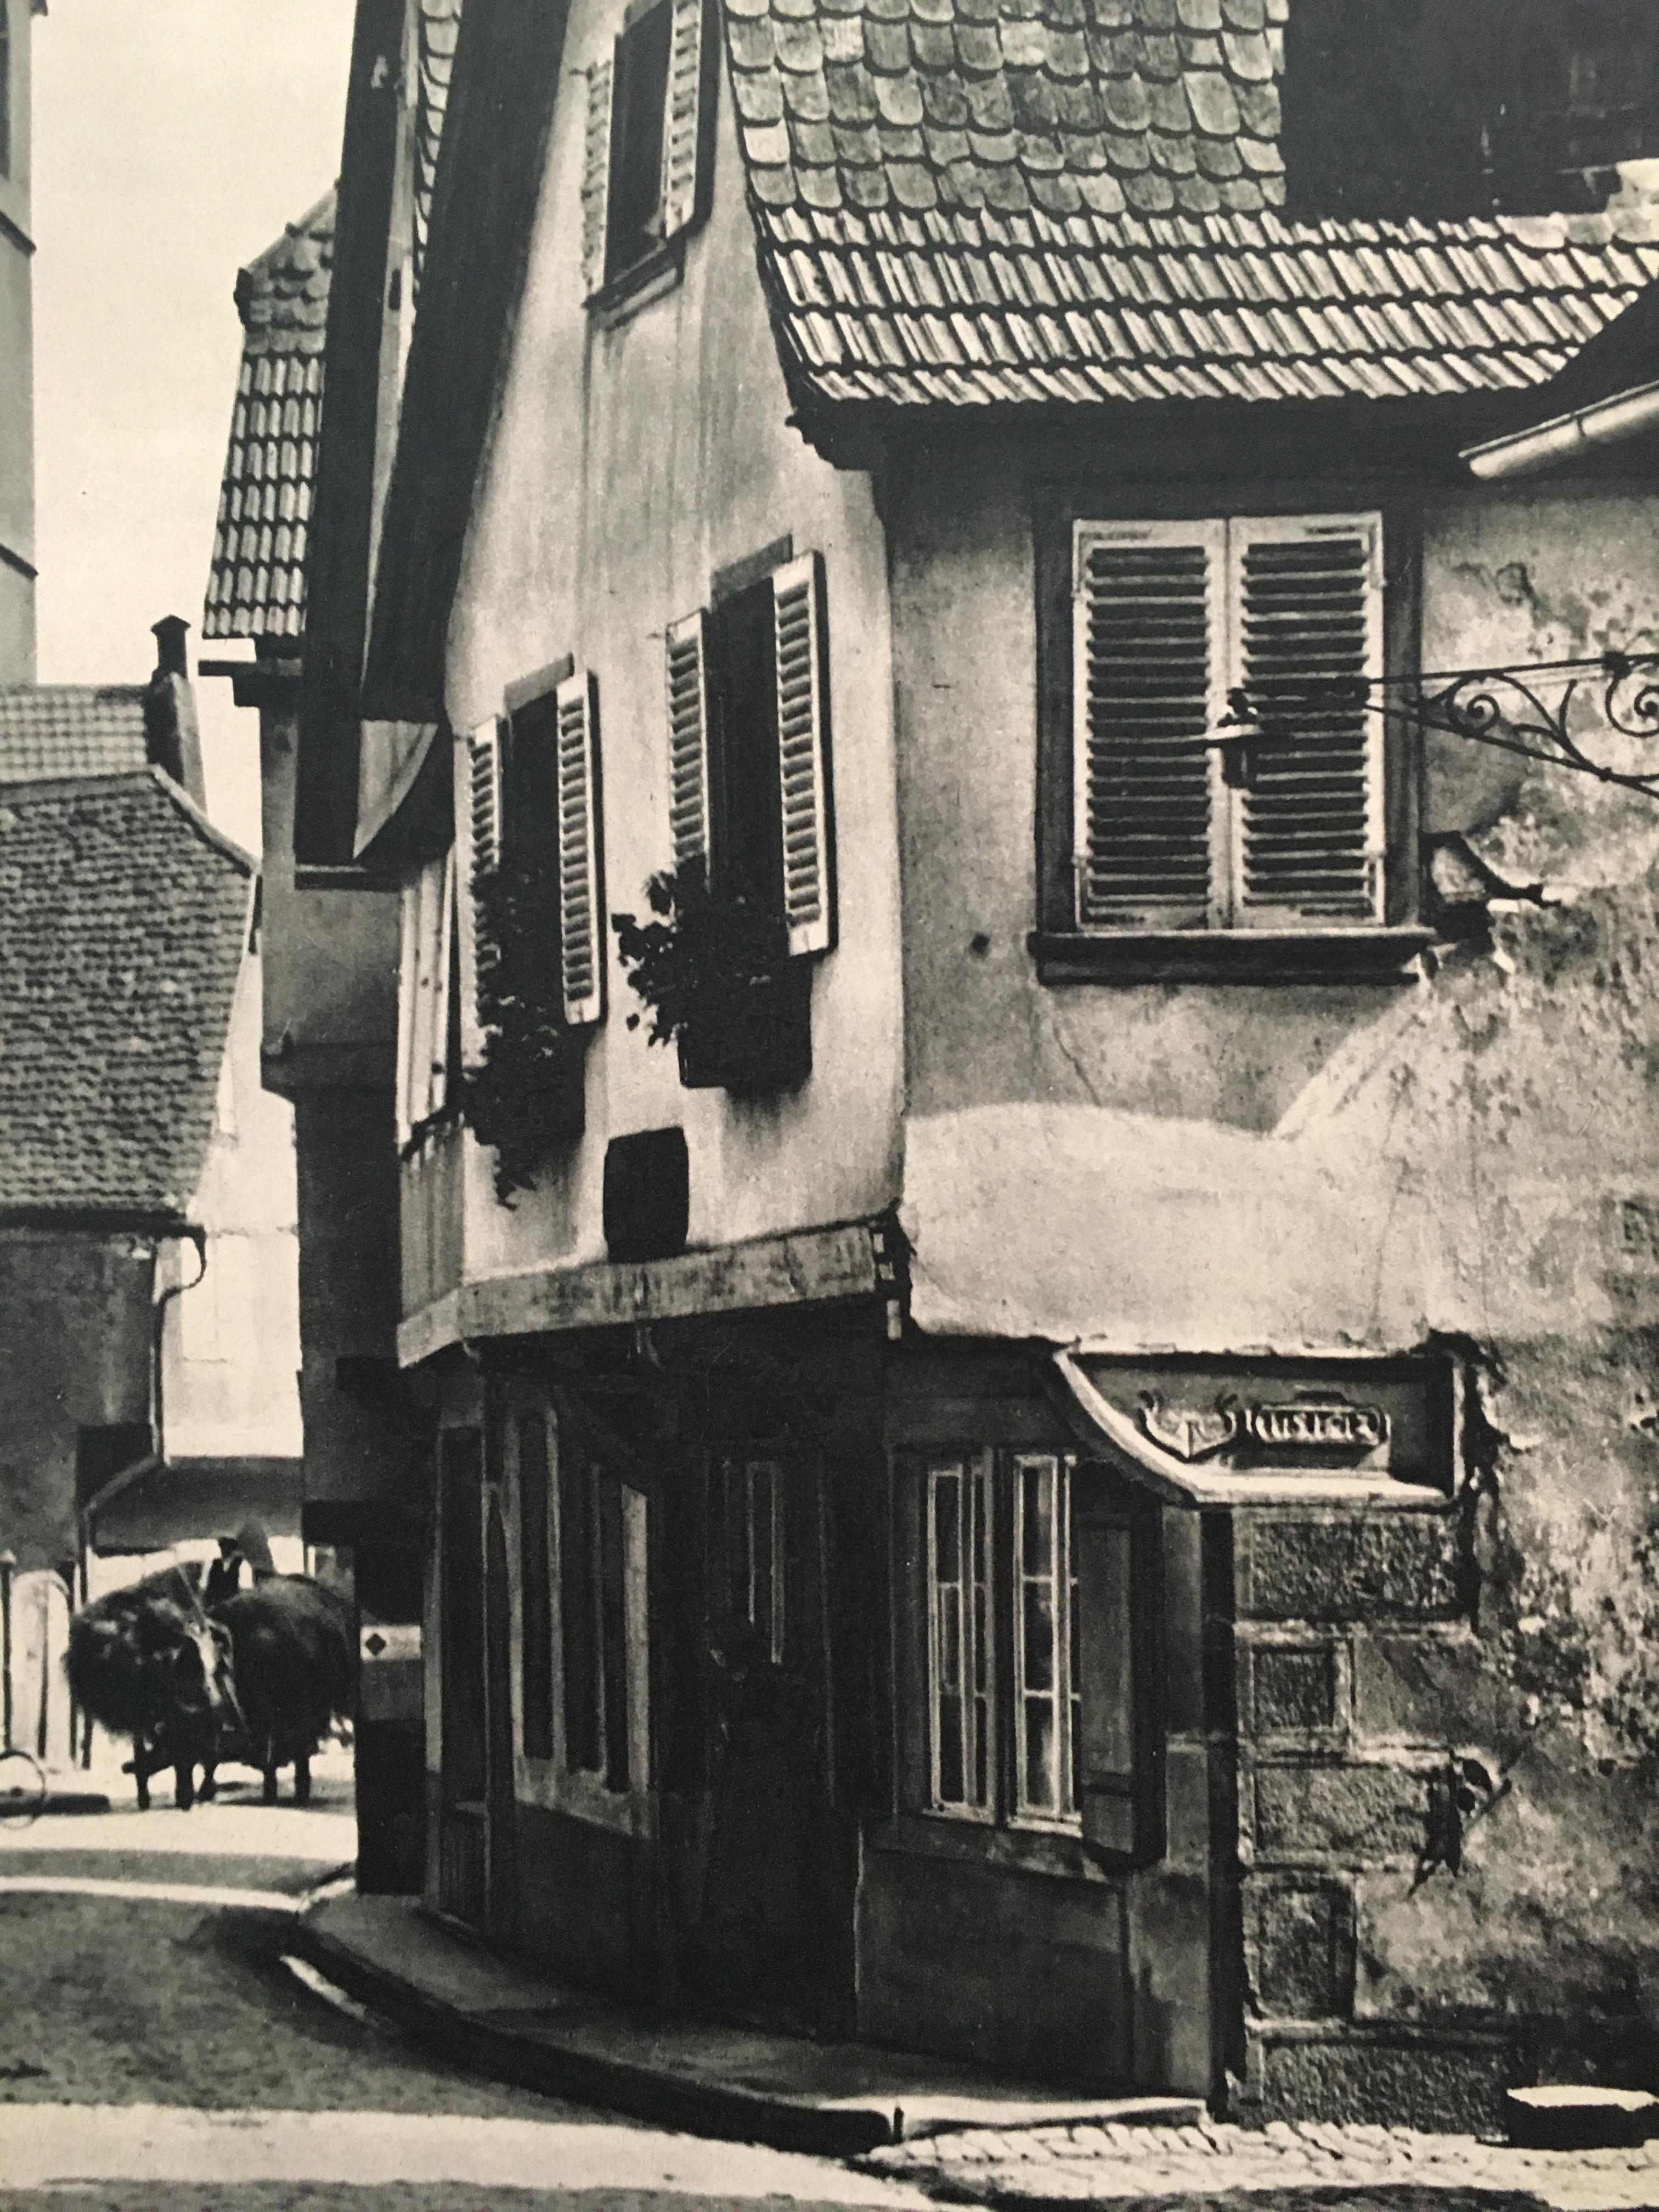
{"x": 173, "y": 139}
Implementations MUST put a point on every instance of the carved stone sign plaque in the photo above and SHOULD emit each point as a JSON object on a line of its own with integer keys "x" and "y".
{"x": 1318, "y": 1425}
{"x": 1392, "y": 1417}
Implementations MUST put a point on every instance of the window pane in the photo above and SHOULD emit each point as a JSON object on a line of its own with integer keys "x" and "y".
{"x": 636, "y": 128}
{"x": 1039, "y": 1608}
{"x": 957, "y": 1646}
{"x": 1039, "y": 1779}
{"x": 947, "y": 1511}
{"x": 579, "y": 1615}
{"x": 1044, "y": 1702}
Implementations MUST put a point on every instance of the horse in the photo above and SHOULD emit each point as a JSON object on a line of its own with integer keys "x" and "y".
{"x": 149, "y": 1662}
{"x": 295, "y": 1666}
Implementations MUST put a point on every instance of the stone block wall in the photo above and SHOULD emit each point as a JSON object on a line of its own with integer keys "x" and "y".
{"x": 1345, "y": 1789}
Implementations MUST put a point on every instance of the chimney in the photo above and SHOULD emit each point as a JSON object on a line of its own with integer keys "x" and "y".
{"x": 169, "y": 635}
{"x": 172, "y": 737}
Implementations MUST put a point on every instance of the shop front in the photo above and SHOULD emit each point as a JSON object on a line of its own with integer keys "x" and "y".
{"x": 931, "y": 1692}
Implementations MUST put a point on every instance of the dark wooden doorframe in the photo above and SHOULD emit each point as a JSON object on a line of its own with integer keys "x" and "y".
{"x": 499, "y": 1791}
{"x": 767, "y": 1942}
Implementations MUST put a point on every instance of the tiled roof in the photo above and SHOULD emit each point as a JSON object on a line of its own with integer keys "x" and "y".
{"x": 979, "y": 201}
{"x": 126, "y": 920}
{"x": 258, "y": 584}
{"x": 54, "y": 729}
{"x": 441, "y": 24}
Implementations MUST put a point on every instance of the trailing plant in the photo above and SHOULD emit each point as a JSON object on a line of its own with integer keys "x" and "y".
{"x": 713, "y": 974}
{"x": 519, "y": 1100}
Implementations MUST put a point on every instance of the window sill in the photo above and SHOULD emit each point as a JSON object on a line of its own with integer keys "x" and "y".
{"x": 623, "y": 296}
{"x": 1239, "y": 956}
{"x": 550, "y": 1788}
{"x": 1050, "y": 1853}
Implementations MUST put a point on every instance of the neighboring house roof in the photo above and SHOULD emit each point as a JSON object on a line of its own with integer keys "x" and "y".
{"x": 126, "y": 921}
{"x": 969, "y": 203}
{"x": 258, "y": 584}
{"x": 49, "y": 731}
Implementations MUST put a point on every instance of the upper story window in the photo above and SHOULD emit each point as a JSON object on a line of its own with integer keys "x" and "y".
{"x": 1412, "y": 108}
{"x": 748, "y": 742}
{"x": 750, "y": 817}
{"x": 1206, "y": 783}
{"x": 648, "y": 158}
{"x": 532, "y": 826}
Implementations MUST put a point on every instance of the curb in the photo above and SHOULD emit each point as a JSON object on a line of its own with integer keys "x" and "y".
{"x": 542, "y": 2063}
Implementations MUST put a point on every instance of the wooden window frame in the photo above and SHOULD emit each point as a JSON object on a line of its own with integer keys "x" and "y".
{"x": 619, "y": 282}
{"x": 1064, "y": 952}
{"x": 601, "y": 1634}
{"x": 976, "y": 1729}
{"x": 1063, "y": 1694}
{"x": 1068, "y": 1838}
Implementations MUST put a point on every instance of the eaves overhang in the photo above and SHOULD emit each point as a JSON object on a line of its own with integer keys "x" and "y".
{"x": 800, "y": 1268}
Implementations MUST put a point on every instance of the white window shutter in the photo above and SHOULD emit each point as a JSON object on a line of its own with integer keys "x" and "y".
{"x": 1307, "y": 596}
{"x": 423, "y": 993}
{"x": 798, "y": 617}
{"x": 409, "y": 938}
{"x": 595, "y": 177}
{"x": 1149, "y": 648}
{"x": 686, "y": 659}
{"x": 482, "y": 823}
{"x": 437, "y": 1057}
{"x": 581, "y": 898}
{"x": 691, "y": 86}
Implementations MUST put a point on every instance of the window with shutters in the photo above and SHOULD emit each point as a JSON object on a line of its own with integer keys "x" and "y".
{"x": 649, "y": 152}
{"x": 1214, "y": 776}
{"x": 748, "y": 734}
{"x": 750, "y": 893}
{"x": 1034, "y": 1649}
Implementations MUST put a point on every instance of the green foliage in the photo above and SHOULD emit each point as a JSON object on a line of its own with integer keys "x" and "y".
{"x": 519, "y": 1100}
{"x": 707, "y": 965}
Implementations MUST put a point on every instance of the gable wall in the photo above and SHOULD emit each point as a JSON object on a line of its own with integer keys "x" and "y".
{"x": 626, "y": 466}
{"x": 245, "y": 1397}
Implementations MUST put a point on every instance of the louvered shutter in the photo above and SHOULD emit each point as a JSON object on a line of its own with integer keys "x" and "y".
{"x": 687, "y": 667}
{"x": 581, "y": 945}
{"x": 1148, "y": 641}
{"x": 595, "y": 177}
{"x": 483, "y": 823}
{"x": 1307, "y": 595}
{"x": 437, "y": 1058}
{"x": 798, "y": 606}
{"x": 1119, "y": 1765}
{"x": 688, "y": 134}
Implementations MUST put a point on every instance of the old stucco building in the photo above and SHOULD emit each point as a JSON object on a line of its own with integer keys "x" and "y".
{"x": 16, "y": 349}
{"x": 1081, "y": 1495}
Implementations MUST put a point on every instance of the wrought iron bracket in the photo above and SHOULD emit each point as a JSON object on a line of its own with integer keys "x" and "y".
{"x": 1527, "y": 709}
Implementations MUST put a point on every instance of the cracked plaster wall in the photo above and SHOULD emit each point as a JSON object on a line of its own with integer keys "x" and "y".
{"x": 1221, "y": 1168}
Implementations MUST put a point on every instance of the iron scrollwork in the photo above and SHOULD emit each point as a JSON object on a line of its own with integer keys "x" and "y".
{"x": 1525, "y": 709}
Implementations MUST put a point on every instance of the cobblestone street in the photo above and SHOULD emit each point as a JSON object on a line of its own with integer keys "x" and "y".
{"x": 155, "y": 2049}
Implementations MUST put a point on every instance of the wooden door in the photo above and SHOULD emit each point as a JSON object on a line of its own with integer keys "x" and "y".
{"x": 773, "y": 1921}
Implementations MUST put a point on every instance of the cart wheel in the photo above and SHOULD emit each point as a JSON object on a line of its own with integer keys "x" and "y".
{"x": 23, "y": 1788}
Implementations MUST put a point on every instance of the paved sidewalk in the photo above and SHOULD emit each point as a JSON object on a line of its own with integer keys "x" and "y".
{"x": 1040, "y": 2167}
{"x": 795, "y": 2093}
